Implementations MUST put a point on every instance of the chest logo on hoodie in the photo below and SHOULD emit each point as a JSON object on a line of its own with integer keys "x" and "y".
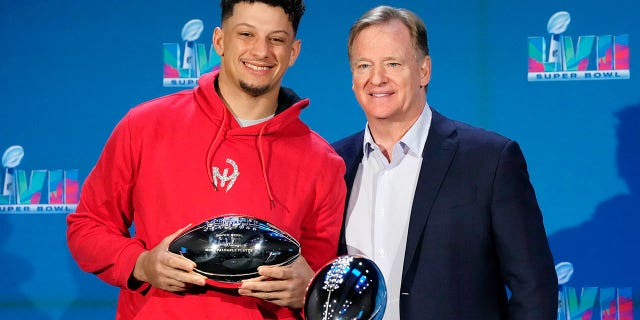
{"x": 220, "y": 180}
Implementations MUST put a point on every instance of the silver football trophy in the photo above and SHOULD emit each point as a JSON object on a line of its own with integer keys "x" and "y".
{"x": 228, "y": 249}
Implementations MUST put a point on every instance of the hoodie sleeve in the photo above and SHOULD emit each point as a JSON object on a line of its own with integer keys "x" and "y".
{"x": 98, "y": 232}
{"x": 321, "y": 229}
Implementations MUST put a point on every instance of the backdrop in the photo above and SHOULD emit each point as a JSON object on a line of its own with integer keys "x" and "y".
{"x": 560, "y": 77}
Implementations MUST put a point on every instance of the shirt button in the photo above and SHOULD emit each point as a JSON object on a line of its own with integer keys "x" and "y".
{"x": 381, "y": 253}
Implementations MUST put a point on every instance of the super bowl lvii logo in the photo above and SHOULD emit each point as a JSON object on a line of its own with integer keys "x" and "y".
{"x": 602, "y": 57}
{"x": 182, "y": 68}
{"x": 46, "y": 191}
{"x": 594, "y": 302}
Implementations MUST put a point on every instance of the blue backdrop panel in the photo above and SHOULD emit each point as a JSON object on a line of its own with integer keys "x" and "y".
{"x": 71, "y": 69}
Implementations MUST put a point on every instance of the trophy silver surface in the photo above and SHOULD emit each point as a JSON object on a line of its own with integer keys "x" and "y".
{"x": 350, "y": 287}
{"x": 230, "y": 248}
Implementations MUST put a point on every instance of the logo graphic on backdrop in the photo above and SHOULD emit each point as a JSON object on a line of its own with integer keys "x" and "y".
{"x": 603, "y": 57}
{"x": 183, "y": 64}
{"x": 593, "y": 302}
{"x": 46, "y": 191}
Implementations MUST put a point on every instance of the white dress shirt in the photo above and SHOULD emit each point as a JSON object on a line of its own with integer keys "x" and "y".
{"x": 379, "y": 208}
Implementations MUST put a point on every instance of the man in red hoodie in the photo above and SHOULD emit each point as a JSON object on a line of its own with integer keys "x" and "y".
{"x": 160, "y": 171}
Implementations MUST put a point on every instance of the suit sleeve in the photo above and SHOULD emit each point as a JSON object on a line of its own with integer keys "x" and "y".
{"x": 98, "y": 232}
{"x": 522, "y": 247}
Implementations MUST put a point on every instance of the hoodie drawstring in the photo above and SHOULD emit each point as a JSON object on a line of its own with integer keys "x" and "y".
{"x": 211, "y": 151}
{"x": 264, "y": 168}
{"x": 212, "y": 146}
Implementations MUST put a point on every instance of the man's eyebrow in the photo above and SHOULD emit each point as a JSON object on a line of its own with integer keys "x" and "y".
{"x": 245, "y": 24}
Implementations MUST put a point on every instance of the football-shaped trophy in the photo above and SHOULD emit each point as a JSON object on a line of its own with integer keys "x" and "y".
{"x": 349, "y": 287}
{"x": 230, "y": 248}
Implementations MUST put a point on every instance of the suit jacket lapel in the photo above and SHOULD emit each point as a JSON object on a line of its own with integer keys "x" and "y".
{"x": 352, "y": 158}
{"x": 437, "y": 155}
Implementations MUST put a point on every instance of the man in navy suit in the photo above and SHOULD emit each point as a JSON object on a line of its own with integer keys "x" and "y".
{"x": 446, "y": 210}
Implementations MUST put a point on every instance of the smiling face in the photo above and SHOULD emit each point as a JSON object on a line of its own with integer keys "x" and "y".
{"x": 389, "y": 75}
{"x": 257, "y": 45}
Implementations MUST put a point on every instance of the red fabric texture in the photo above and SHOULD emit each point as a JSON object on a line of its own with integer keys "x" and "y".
{"x": 154, "y": 172}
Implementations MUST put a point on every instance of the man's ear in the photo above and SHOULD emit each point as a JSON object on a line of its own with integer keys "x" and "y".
{"x": 295, "y": 51}
{"x": 218, "y": 41}
{"x": 425, "y": 71}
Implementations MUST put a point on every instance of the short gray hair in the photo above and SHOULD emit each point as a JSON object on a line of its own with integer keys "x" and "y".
{"x": 383, "y": 14}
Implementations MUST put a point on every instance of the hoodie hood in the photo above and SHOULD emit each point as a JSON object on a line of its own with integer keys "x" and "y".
{"x": 284, "y": 122}
{"x": 209, "y": 102}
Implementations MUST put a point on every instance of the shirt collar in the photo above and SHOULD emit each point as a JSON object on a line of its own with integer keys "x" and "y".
{"x": 412, "y": 142}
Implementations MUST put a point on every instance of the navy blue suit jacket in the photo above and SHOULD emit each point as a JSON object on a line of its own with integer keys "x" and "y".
{"x": 475, "y": 227}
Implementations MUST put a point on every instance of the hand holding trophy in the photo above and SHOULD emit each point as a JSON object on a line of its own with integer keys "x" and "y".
{"x": 228, "y": 249}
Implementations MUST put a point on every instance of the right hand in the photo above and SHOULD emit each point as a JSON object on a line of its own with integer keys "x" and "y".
{"x": 166, "y": 270}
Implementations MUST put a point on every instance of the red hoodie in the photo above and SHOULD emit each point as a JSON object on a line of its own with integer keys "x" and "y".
{"x": 158, "y": 170}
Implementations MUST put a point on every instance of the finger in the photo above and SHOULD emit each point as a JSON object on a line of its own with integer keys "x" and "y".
{"x": 196, "y": 278}
{"x": 165, "y": 242}
{"x": 175, "y": 284}
{"x": 175, "y": 267}
{"x": 245, "y": 292}
{"x": 176, "y": 288}
{"x": 282, "y": 273}
{"x": 264, "y": 286}
{"x": 177, "y": 261}
{"x": 256, "y": 279}
{"x": 187, "y": 277}
{"x": 265, "y": 295}
{"x": 269, "y": 296}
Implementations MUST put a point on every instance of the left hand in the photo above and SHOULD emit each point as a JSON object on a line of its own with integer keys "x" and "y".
{"x": 285, "y": 286}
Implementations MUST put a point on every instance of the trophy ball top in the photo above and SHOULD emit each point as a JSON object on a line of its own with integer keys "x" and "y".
{"x": 192, "y": 30}
{"x": 564, "y": 270}
{"x": 12, "y": 157}
{"x": 558, "y": 22}
{"x": 349, "y": 287}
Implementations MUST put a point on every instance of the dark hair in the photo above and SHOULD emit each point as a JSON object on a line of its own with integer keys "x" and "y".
{"x": 293, "y": 8}
{"x": 383, "y": 14}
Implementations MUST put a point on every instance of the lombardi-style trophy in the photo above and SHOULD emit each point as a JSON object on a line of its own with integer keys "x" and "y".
{"x": 564, "y": 271}
{"x": 190, "y": 33}
{"x": 557, "y": 24}
{"x": 11, "y": 158}
{"x": 349, "y": 287}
